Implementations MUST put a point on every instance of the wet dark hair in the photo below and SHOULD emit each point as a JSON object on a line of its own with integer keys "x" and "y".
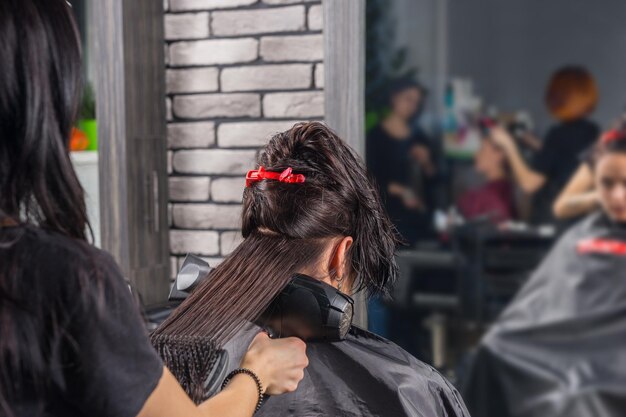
{"x": 39, "y": 91}
{"x": 286, "y": 228}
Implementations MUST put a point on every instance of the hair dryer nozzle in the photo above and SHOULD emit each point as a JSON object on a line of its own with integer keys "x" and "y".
{"x": 309, "y": 309}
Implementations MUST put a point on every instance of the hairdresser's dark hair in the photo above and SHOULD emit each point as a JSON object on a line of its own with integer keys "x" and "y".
{"x": 39, "y": 91}
{"x": 286, "y": 228}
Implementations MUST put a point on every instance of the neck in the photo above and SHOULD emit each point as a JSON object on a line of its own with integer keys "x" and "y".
{"x": 495, "y": 175}
{"x": 395, "y": 119}
{"x": 396, "y": 127}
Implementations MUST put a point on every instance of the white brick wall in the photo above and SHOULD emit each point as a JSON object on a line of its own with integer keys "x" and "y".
{"x": 187, "y": 26}
{"x": 301, "y": 105}
{"x": 189, "y": 188}
{"x": 238, "y": 71}
{"x": 249, "y": 134}
{"x": 200, "y": 242}
{"x": 292, "y": 48}
{"x": 319, "y": 76}
{"x": 168, "y": 109}
{"x": 316, "y": 18}
{"x": 173, "y": 266}
{"x": 178, "y": 5}
{"x": 228, "y": 190}
{"x": 286, "y": 1}
{"x": 266, "y": 77}
{"x": 207, "y": 216}
{"x": 217, "y": 105}
{"x": 248, "y": 22}
{"x": 194, "y": 80}
{"x": 213, "y": 161}
{"x": 213, "y": 52}
{"x": 229, "y": 241}
{"x": 191, "y": 135}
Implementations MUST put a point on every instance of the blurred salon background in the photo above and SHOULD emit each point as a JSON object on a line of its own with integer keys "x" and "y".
{"x": 476, "y": 209}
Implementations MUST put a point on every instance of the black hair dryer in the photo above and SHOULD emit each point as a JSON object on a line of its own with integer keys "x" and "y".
{"x": 306, "y": 307}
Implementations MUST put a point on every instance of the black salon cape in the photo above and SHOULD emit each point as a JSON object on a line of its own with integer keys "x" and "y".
{"x": 559, "y": 349}
{"x": 363, "y": 376}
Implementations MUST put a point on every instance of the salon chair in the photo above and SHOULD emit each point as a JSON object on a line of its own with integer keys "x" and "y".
{"x": 498, "y": 264}
{"x": 428, "y": 282}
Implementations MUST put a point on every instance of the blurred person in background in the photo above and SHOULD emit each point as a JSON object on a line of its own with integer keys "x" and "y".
{"x": 400, "y": 158}
{"x": 72, "y": 342}
{"x": 571, "y": 96}
{"x": 493, "y": 200}
{"x": 559, "y": 348}
{"x": 579, "y": 196}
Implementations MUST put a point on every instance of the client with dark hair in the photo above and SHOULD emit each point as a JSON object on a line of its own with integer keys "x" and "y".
{"x": 559, "y": 348}
{"x": 579, "y": 197}
{"x": 310, "y": 208}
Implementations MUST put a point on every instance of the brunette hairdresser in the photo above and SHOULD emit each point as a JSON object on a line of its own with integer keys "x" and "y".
{"x": 71, "y": 341}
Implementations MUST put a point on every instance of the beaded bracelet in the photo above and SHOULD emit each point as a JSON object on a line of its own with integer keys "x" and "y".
{"x": 254, "y": 376}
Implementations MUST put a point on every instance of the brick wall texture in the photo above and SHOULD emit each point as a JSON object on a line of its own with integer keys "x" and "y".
{"x": 237, "y": 71}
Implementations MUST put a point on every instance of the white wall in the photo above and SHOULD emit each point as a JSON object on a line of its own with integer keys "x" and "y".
{"x": 510, "y": 47}
{"x": 421, "y": 27}
{"x": 86, "y": 166}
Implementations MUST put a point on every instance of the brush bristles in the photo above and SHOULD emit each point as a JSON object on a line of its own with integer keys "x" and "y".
{"x": 190, "y": 359}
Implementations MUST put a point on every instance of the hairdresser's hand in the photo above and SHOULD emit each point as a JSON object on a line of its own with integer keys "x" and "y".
{"x": 279, "y": 363}
{"x": 413, "y": 202}
{"x": 502, "y": 138}
{"x": 408, "y": 197}
{"x": 422, "y": 155}
{"x": 531, "y": 140}
{"x": 396, "y": 189}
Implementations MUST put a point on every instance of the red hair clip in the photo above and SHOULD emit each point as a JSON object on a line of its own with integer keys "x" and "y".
{"x": 611, "y": 136}
{"x": 260, "y": 174}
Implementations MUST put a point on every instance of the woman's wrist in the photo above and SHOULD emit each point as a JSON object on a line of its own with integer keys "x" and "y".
{"x": 245, "y": 372}
{"x": 245, "y": 380}
{"x": 251, "y": 363}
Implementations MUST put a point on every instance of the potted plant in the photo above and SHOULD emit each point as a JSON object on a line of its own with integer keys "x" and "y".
{"x": 87, "y": 121}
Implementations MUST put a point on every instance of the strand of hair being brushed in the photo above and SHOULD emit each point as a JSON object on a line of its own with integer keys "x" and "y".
{"x": 241, "y": 287}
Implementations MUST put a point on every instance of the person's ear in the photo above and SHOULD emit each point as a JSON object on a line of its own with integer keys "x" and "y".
{"x": 338, "y": 263}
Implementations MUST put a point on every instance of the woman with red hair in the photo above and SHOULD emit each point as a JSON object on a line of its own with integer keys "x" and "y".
{"x": 571, "y": 96}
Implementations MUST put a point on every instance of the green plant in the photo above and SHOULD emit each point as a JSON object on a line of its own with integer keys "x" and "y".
{"x": 88, "y": 103}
